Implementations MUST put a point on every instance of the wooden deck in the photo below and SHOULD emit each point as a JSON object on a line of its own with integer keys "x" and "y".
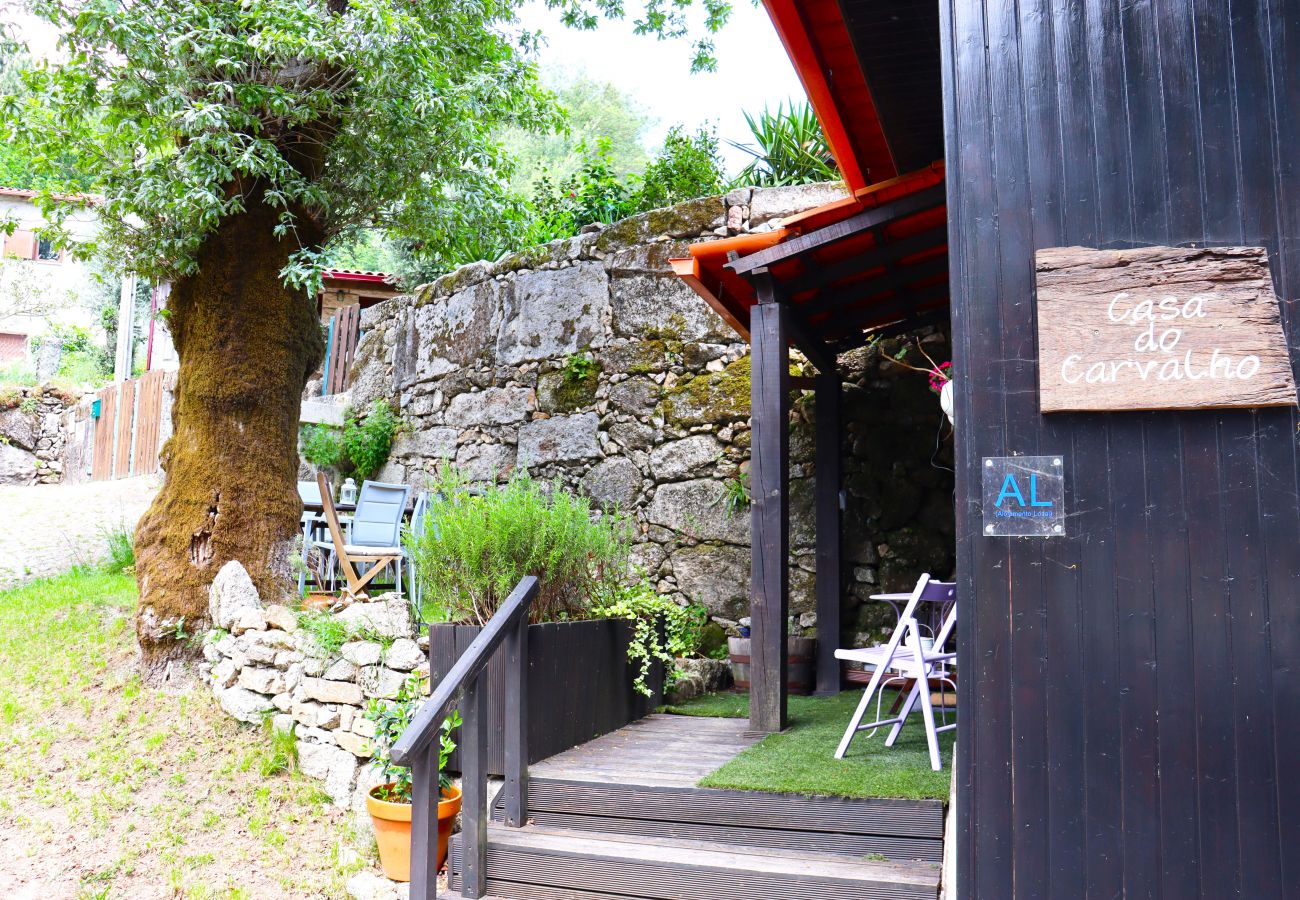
{"x": 620, "y": 817}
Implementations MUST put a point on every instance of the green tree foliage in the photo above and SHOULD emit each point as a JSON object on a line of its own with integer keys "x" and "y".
{"x": 17, "y": 167}
{"x": 789, "y": 148}
{"x": 592, "y": 110}
{"x": 342, "y": 115}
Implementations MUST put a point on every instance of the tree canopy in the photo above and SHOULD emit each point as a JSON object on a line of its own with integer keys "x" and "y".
{"x": 342, "y": 114}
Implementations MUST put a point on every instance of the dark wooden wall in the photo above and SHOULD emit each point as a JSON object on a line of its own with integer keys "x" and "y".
{"x": 1131, "y": 693}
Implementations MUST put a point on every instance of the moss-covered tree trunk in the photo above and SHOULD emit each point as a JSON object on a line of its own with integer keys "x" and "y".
{"x": 247, "y": 346}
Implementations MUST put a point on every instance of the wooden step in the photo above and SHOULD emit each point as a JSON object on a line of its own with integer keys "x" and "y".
{"x": 536, "y": 863}
{"x": 895, "y": 829}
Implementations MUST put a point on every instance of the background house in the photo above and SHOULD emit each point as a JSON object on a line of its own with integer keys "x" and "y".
{"x": 40, "y": 286}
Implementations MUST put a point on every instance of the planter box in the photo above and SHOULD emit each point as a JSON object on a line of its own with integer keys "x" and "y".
{"x": 579, "y": 684}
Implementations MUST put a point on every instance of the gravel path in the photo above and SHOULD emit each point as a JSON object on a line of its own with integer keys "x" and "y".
{"x": 48, "y": 528}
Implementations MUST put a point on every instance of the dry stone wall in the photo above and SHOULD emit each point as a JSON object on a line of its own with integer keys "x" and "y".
{"x": 589, "y": 362}
{"x": 35, "y": 433}
{"x": 261, "y": 665}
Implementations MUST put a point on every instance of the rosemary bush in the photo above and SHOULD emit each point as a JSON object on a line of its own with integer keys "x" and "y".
{"x": 477, "y": 545}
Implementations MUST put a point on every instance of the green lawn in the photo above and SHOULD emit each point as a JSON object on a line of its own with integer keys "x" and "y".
{"x": 801, "y": 759}
{"x": 109, "y": 788}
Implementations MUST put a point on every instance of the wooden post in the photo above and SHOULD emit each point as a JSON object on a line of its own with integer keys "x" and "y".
{"x": 516, "y": 752}
{"x": 473, "y": 786}
{"x": 770, "y": 512}
{"x": 424, "y": 825}
{"x": 827, "y": 476}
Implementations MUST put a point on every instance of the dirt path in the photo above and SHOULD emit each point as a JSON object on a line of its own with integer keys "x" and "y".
{"x": 48, "y": 528}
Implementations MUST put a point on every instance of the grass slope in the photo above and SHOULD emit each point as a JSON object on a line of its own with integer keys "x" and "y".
{"x": 801, "y": 759}
{"x": 112, "y": 789}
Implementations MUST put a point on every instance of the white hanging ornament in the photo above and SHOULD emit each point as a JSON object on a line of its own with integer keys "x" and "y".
{"x": 946, "y": 400}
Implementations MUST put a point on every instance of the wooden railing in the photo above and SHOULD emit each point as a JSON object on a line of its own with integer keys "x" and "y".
{"x": 418, "y": 748}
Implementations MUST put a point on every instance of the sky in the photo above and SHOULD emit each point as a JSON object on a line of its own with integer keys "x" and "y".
{"x": 753, "y": 70}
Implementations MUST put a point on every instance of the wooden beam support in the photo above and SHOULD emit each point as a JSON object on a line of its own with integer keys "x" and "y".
{"x": 770, "y": 510}
{"x": 903, "y": 307}
{"x": 827, "y": 479}
{"x": 516, "y": 751}
{"x": 473, "y": 787}
{"x": 839, "y": 298}
{"x": 883, "y": 255}
{"x": 863, "y": 221}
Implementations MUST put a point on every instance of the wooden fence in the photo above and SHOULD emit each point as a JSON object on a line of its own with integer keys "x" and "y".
{"x": 128, "y": 429}
{"x": 344, "y": 332}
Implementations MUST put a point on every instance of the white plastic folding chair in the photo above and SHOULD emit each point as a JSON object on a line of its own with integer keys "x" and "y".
{"x": 923, "y": 664}
{"x": 892, "y": 660}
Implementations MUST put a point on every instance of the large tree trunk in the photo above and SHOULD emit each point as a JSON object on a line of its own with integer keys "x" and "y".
{"x": 247, "y": 346}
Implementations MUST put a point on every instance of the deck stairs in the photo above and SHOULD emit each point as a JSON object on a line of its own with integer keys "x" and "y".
{"x": 621, "y": 817}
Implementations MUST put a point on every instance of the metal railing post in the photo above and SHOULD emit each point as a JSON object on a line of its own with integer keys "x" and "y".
{"x": 516, "y": 755}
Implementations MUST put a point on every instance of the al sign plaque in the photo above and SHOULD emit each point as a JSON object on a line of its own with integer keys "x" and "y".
{"x": 1159, "y": 328}
{"x": 1024, "y": 496}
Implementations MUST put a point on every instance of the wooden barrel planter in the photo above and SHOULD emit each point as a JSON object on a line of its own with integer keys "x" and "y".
{"x": 579, "y": 684}
{"x": 801, "y": 664}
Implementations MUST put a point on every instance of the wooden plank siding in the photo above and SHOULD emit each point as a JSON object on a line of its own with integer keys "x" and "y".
{"x": 148, "y": 422}
{"x": 343, "y": 347}
{"x": 1132, "y": 694}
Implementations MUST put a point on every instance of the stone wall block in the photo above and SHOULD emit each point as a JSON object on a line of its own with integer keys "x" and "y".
{"x": 551, "y": 314}
{"x": 559, "y": 439}
{"x": 698, "y": 509}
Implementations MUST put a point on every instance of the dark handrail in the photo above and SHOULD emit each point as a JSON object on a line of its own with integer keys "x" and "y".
{"x": 417, "y": 748}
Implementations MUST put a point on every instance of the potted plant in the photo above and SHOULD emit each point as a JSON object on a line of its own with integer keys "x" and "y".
{"x": 389, "y": 804}
{"x": 940, "y": 375}
{"x": 601, "y": 641}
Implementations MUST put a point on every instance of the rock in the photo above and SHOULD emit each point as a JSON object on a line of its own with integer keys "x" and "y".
{"x": 646, "y": 303}
{"x": 281, "y": 617}
{"x": 683, "y": 458}
{"x": 223, "y": 674}
{"x": 699, "y": 509}
{"x": 558, "y": 439}
{"x": 377, "y": 681}
{"x": 716, "y": 576}
{"x": 282, "y": 722}
{"x": 614, "y": 482}
{"x": 459, "y": 329}
{"x": 363, "y": 726}
{"x": 404, "y": 655}
{"x": 637, "y": 396}
{"x": 353, "y": 743}
{"x": 264, "y": 681}
{"x": 248, "y": 620}
{"x": 485, "y": 462}
{"x": 553, "y": 313}
{"x": 331, "y": 716}
{"x": 330, "y": 764}
{"x": 493, "y": 406}
{"x": 306, "y": 713}
{"x": 244, "y": 705}
{"x": 369, "y": 776}
{"x": 426, "y": 443}
{"x": 779, "y": 202}
{"x": 633, "y": 435}
{"x": 369, "y": 886}
{"x": 259, "y": 654}
{"x": 710, "y": 399}
{"x": 699, "y": 676}
{"x": 332, "y": 691}
{"x": 232, "y": 594}
{"x": 283, "y": 702}
{"x": 388, "y": 616}
{"x": 18, "y": 428}
{"x": 361, "y": 653}
{"x": 17, "y": 466}
{"x": 341, "y": 670}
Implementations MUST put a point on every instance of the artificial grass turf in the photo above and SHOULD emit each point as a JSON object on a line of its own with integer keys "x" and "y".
{"x": 801, "y": 760}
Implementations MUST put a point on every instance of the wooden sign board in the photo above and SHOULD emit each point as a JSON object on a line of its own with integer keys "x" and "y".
{"x": 1159, "y": 328}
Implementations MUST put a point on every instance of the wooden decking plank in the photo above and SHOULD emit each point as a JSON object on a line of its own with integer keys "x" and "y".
{"x": 917, "y": 818}
{"x": 679, "y": 870}
{"x": 856, "y": 845}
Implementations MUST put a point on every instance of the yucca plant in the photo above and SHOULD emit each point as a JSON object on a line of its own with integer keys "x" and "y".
{"x": 789, "y": 148}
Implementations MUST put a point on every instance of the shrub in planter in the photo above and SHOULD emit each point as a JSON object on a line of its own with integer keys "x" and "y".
{"x": 601, "y": 641}
{"x": 389, "y": 804}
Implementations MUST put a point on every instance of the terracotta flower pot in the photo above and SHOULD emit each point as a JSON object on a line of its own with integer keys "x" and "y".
{"x": 318, "y": 600}
{"x": 392, "y": 823}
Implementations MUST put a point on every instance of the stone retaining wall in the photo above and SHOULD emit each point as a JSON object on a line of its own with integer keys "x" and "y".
{"x": 261, "y": 664}
{"x": 34, "y": 433}
{"x": 588, "y": 362}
